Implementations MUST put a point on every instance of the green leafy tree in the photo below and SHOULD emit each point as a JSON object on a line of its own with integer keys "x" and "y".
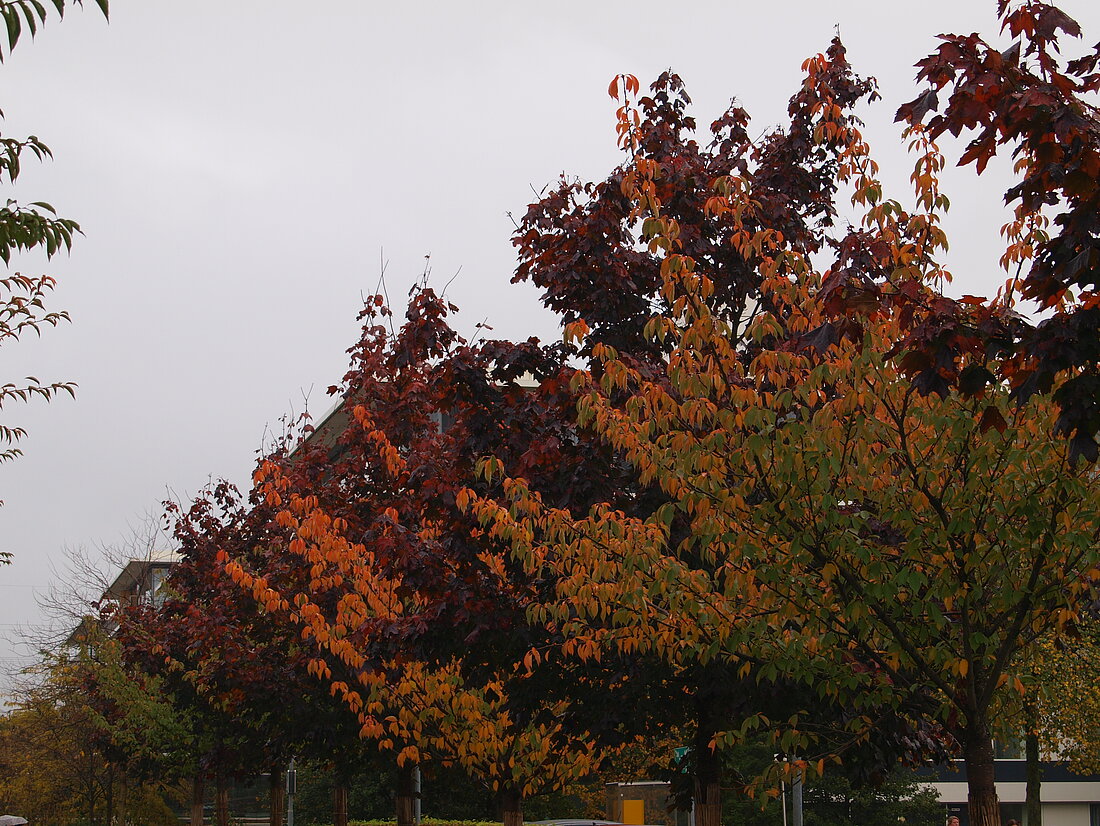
{"x": 899, "y": 800}
{"x": 1064, "y": 696}
{"x": 140, "y": 727}
{"x": 58, "y": 766}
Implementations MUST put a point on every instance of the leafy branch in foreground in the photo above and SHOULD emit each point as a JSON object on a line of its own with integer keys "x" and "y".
{"x": 29, "y": 15}
{"x": 22, "y": 310}
{"x": 25, "y": 228}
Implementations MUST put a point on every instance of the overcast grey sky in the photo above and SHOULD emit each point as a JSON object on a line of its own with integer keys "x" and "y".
{"x": 240, "y": 167}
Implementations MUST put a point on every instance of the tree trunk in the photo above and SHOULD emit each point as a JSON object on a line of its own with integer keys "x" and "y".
{"x": 197, "y": 800}
{"x": 708, "y": 787}
{"x": 981, "y": 788}
{"x": 125, "y": 803}
{"x": 340, "y": 803}
{"x": 1034, "y": 813}
{"x": 276, "y": 798}
{"x": 109, "y": 798}
{"x": 511, "y": 807}
{"x": 406, "y": 795}
{"x": 221, "y": 801}
{"x": 91, "y": 789}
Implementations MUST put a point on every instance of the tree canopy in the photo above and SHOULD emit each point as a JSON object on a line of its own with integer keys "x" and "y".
{"x": 845, "y": 527}
{"x": 772, "y": 486}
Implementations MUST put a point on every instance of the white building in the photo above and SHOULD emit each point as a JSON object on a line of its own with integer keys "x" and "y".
{"x": 1068, "y": 799}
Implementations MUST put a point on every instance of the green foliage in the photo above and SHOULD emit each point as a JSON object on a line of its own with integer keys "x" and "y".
{"x": 55, "y": 766}
{"x": 834, "y": 799}
{"x": 22, "y": 310}
{"x": 899, "y": 801}
{"x": 370, "y": 793}
{"x": 449, "y": 796}
{"x": 1063, "y": 695}
{"x": 145, "y": 728}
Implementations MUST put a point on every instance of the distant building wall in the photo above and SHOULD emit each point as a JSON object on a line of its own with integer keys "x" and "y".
{"x": 1068, "y": 799}
{"x": 645, "y": 802}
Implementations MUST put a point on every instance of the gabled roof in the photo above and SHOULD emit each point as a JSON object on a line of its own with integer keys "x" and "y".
{"x": 128, "y": 583}
{"x": 135, "y": 572}
{"x": 328, "y": 428}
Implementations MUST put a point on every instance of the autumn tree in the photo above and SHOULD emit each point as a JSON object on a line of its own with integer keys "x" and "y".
{"x": 392, "y": 459}
{"x": 390, "y": 483}
{"x": 718, "y": 242}
{"x": 240, "y": 679}
{"x": 868, "y": 541}
{"x": 584, "y": 244}
{"x": 1054, "y": 717}
{"x": 1061, "y": 675}
{"x": 24, "y": 228}
{"x": 58, "y": 764}
{"x": 46, "y": 774}
{"x": 216, "y": 741}
{"x": 1031, "y": 104}
{"x": 433, "y": 621}
{"x": 426, "y": 627}
{"x": 126, "y": 727}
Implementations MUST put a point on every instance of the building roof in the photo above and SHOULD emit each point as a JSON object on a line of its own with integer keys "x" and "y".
{"x": 135, "y": 571}
{"x": 129, "y": 582}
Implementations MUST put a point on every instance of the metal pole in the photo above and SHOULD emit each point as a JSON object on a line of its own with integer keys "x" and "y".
{"x": 783, "y": 792}
{"x": 291, "y": 787}
{"x": 796, "y": 799}
{"x": 416, "y": 795}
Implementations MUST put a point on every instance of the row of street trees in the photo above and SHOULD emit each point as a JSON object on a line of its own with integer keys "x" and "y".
{"x": 772, "y": 485}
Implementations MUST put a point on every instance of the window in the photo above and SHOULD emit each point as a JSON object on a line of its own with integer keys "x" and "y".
{"x": 1009, "y": 749}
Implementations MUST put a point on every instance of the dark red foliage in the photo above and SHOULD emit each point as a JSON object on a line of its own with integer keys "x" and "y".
{"x": 1030, "y": 103}
{"x": 578, "y": 245}
{"x": 240, "y": 677}
{"x": 446, "y": 404}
